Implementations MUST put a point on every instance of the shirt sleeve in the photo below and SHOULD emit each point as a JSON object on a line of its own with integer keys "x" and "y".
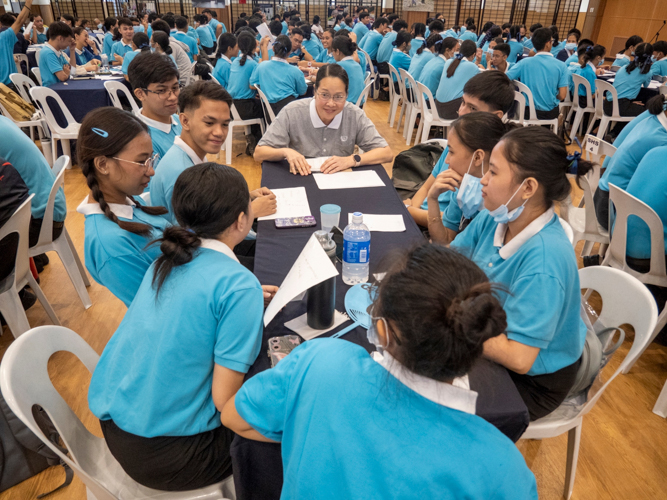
{"x": 277, "y": 135}
{"x": 368, "y": 138}
{"x": 564, "y": 78}
{"x": 239, "y": 334}
{"x": 514, "y": 73}
{"x": 301, "y": 85}
{"x": 451, "y": 216}
{"x": 123, "y": 274}
{"x": 53, "y": 64}
{"x": 8, "y": 38}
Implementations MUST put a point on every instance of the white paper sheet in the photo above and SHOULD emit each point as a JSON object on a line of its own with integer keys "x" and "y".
{"x": 313, "y": 266}
{"x": 28, "y": 29}
{"x": 292, "y": 202}
{"x": 300, "y": 325}
{"x": 316, "y": 163}
{"x": 654, "y": 84}
{"x": 263, "y": 30}
{"x": 347, "y": 180}
{"x": 382, "y": 223}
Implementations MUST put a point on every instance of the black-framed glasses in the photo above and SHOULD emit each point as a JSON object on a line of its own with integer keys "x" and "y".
{"x": 164, "y": 94}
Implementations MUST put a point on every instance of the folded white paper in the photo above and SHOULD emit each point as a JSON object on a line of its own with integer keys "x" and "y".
{"x": 312, "y": 267}
{"x": 382, "y": 223}
{"x": 292, "y": 202}
{"x": 347, "y": 180}
{"x": 263, "y": 30}
{"x": 300, "y": 325}
{"x": 316, "y": 163}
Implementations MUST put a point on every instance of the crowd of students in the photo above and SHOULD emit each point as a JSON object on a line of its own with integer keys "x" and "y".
{"x": 170, "y": 400}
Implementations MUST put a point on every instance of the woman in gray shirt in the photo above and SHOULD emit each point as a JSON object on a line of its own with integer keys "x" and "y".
{"x": 325, "y": 125}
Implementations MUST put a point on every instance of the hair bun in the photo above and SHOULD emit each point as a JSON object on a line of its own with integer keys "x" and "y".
{"x": 478, "y": 316}
{"x": 179, "y": 244}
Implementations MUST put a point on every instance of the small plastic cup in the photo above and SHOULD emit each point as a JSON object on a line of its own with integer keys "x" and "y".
{"x": 330, "y": 216}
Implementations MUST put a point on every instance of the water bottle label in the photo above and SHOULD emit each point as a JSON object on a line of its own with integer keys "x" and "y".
{"x": 356, "y": 252}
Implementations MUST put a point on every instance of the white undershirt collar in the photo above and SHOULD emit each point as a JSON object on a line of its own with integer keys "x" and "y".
{"x": 218, "y": 246}
{"x": 225, "y": 58}
{"x": 122, "y": 211}
{"x": 663, "y": 59}
{"x": 188, "y": 150}
{"x": 506, "y": 251}
{"x": 544, "y": 54}
{"x": 347, "y": 58}
{"x": 450, "y": 395}
{"x": 318, "y": 123}
{"x": 279, "y": 60}
{"x": 443, "y": 57}
{"x": 162, "y": 127}
{"x": 622, "y": 56}
{"x": 592, "y": 67}
{"x": 663, "y": 120}
{"x": 57, "y": 52}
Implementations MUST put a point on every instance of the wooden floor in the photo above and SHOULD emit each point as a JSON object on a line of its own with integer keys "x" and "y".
{"x": 624, "y": 445}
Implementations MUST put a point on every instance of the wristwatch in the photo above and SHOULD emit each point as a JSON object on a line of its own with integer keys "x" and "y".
{"x": 357, "y": 160}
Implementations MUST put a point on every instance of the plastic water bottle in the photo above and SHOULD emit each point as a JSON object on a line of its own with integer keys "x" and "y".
{"x": 356, "y": 251}
{"x": 105, "y": 62}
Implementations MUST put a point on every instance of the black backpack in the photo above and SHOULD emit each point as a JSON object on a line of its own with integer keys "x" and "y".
{"x": 22, "y": 454}
{"x": 413, "y": 166}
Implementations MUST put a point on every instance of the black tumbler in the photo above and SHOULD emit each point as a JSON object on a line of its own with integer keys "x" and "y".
{"x": 321, "y": 304}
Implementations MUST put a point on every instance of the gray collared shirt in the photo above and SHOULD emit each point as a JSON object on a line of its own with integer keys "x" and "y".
{"x": 296, "y": 128}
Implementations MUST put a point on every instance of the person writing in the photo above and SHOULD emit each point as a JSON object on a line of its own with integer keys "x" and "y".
{"x": 398, "y": 416}
{"x": 325, "y": 125}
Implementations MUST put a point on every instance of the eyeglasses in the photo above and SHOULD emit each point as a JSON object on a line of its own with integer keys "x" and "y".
{"x": 166, "y": 93}
{"x": 338, "y": 98}
{"x": 148, "y": 164}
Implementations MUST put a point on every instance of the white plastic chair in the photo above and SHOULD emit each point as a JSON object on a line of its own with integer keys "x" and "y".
{"x": 35, "y": 71}
{"x": 35, "y": 123}
{"x": 567, "y": 228}
{"x": 624, "y": 301}
{"x": 42, "y": 95}
{"x": 441, "y": 142}
{"x": 363, "y": 97}
{"x": 23, "y": 85}
{"x": 21, "y": 58}
{"x": 626, "y": 205}
{"x": 25, "y": 381}
{"x": 565, "y": 105}
{"x": 578, "y": 111}
{"x": 662, "y": 89}
{"x": 533, "y": 120}
{"x": 63, "y": 245}
{"x": 367, "y": 78}
{"x": 113, "y": 88}
{"x": 583, "y": 220}
{"x": 10, "y": 303}
{"x": 430, "y": 116}
{"x": 406, "y": 105}
{"x": 237, "y": 121}
{"x": 269, "y": 115}
{"x": 519, "y": 108}
{"x": 411, "y": 105}
{"x": 394, "y": 97}
{"x": 601, "y": 87}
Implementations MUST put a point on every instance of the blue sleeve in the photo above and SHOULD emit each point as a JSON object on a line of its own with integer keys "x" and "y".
{"x": 239, "y": 334}
{"x": 301, "y": 85}
{"x": 126, "y": 63}
{"x": 254, "y": 77}
{"x": 123, "y": 274}
{"x": 514, "y": 73}
{"x": 440, "y": 165}
{"x": 452, "y": 214}
{"x": 52, "y": 62}
{"x": 8, "y": 39}
{"x": 564, "y": 79}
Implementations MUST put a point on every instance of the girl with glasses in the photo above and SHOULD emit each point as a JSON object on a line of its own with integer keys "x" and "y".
{"x": 115, "y": 154}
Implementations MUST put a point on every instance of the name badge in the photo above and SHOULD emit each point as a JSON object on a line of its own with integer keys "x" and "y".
{"x": 592, "y": 144}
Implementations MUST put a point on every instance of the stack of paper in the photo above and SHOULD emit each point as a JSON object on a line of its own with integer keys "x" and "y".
{"x": 300, "y": 325}
{"x": 347, "y": 180}
{"x": 316, "y": 163}
{"x": 382, "y": 223}
{"x": 292, "y": 202}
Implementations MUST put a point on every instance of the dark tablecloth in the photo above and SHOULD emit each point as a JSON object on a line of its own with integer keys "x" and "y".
{"x": 82, "y": 96}
{"x": 258, "y": 466}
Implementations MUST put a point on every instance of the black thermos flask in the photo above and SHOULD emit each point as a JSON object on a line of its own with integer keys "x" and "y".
{"x": 321, "y": 300}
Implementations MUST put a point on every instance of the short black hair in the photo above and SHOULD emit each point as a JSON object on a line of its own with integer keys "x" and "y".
{"x": 660, "y": 46}
{"x": 170, "y": 20}
{"x": 363, "y": 14}
{"x": 400, "y": 24}
{"x": 493, "y": 88}
{"x": 160, "y": 25}
{"x": 181, "y": 23}
{"x": 585, "y": 42}
{"x": 227, "y": 41}
{"x": 109, "y": 23}
{"x": 141, "y": 41}
{"x": 535, "y": 27}
{"x": 192, "y": 95}
{"x": 240, "y": 24}
{"x": 69, "y": 17}
{"x": 633, "y": 40}
{"x": 436, "y": 26}
{"x": 7, "y": 19}
{"x": 380, "y": 21}
{"x": 123, "y": 21}
{"x": 59, "y": 29}
{"x": 275, "y": 27}
{"x": 541, "y": 37}
{"x": 150, "y": 67}
{"x": 392, "y": 17}
{"x": 504, "y": 48}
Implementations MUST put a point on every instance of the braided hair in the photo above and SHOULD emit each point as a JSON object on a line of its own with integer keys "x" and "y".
{"x": 105, "y": 132}
{"x": 247, "y": 45}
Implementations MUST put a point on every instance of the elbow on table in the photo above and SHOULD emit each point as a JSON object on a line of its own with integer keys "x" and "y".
{"x": 260, "y": 154}
{"x": 387, "y": 155}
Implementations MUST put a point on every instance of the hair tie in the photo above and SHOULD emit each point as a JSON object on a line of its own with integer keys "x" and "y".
{"x": 438, "y": 43}
{"x": 573, "y": 158}
{"x": 144, "y": 45}
{"x": 394, "y": 43}
{"x": 190, "y": 230}
{"x": 100, "y": 132}
{"x": 589, "y": 48}
{"x": 459, "y": 56}
{"x": 424, "y": 44}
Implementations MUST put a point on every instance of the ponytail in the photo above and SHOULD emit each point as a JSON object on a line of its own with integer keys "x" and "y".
{"x": 642, "y": 60}
{"x": 430, "y": 42}
{"x": 282, "y": 46}
{"x": 657, "y": 104}
{"x": 448, "y": 43}
{"x": 468, "y": 48}
{"x": 345, "y": 44}
{"x": 247, "y": 45}
{"x": 591, "y": 52}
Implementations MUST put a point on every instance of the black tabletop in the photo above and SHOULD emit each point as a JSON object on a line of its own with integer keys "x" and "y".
{"x": 258, "y": 466}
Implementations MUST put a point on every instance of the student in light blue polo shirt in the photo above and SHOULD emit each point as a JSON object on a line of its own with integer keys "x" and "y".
{"x": 54, "y": 66}
{"x": 7, "y": 42}
{"x": 38, "y": 32}
{"x": 545, "y": 76}
{"x": 659, "y": 67}
{"x": 516, "y": 47}
{"x": 177, "y": 358}
{"x": 649, "y": 133}
{"x": 424, "y": 55}
{"x": 205, "y": 39}
{"x": 154, "y": 80}
{"x": 213, "y": 23}
{"x": 590, "y": 58}
{"x": 624, "y": 58}
{"x": 387, "y": 45}
{"x": 374, "y": 38}
{"x": 124, "y": 45}
{"x": 418, "y": 38}
{"x": 399, "y": 56}
{"x": 309, "y": 42}
{"x": 281, "y": 82}
{"x": 571, "y": 45}
{"x": 85, "y": 49}
{"x": 116, "y": 157}
{"x": 431, "y": 74}
{"x": 457, "y": 71}
{"x": 574, "y": 58}
{"x": 110, "y": 26}
{"x": 519, "y": 243}
{"x": 360, "y": 29}
{"x": 397, "y": 414}
{"x": 286, "y": 16}
{"x": 469, "y": 33}
{"x": 528, "y": 41}
{"x": 182, "y": 36}
{"x": 325, "y": 56}
{"x": 557, "y": 45}
{"x": 140, "y": 43}
{"x": 227, "y": 49}
{"x": 343, "y": 47}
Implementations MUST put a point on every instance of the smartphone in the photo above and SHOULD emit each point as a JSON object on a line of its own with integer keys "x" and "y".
{"x": 307, "y": 221}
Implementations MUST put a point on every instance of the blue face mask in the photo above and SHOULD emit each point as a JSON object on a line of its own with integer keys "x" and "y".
{"x": 571, "y": 46}
{"x": 653, "y": 59}
{"x": 100, "y": 26}
{"x": 469, "y": 197}
{"x": 503, "y": 216}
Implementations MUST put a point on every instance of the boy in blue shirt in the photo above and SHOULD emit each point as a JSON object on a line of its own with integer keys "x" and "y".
{"x": 374, "y": 38}
{"x": 205, "y": 38}
{"x": 7, "y": 42}
{"x": 659, "y": 67}
{"x": 360, "y": 28}
{"x": 124, "y": 45}
{"x": 54, "y": 66}
{"x": 545, "y": 76}
{"x": 154, "y": 80}
{"x": 182, "y": 36}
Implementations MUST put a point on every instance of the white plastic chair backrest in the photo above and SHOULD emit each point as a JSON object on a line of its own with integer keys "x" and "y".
{"x": 529, "y": 99}
{"x": 46, "y": 232}
{"x": 520, "y": 108}
{"x": 588, "y": 185}
{"x": 568, "y": 229}
{"x": 18, "y": 59}
{"x": 580, "y": 80}
{"x": 369, "y": 63}
{"x": 417, "y": 96}
{"x": 604, "y": 149}
{"x": 627, "y": 205}
{"x": 23, "y": 84}
{"x": 614, "y": 69}
{"x": 235, "y": 114}
{"x": 440, "y": 142}
{"x": 393, "y": 72}
{"x": 19, "y": 222}
{"x": 41, "y": 95}
{"x": 601, "y": 87}
{"x": 625, "y": 300}
{"x": 367, "y": 78}
{"x": 268, "y": 110}
{"x": 363, "y": 97}
{"x": 113, "y": 88}
{"x": 6, "y": 114}
{"x": 37, "y": 53}
{"x": 405, "y": 77}
{"x": 427, "y": 96}
{"x": 38, "y": 75}
{"x": 25, "y": 381}
{"x": 662, "y": 89}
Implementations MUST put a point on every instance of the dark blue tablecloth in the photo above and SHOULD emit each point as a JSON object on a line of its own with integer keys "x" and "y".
{"x": 258, "y": 466}
{"x": 82, "y": 96}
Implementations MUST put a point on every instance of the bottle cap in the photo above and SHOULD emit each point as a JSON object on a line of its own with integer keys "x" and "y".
{"x": 357, "y": 218}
